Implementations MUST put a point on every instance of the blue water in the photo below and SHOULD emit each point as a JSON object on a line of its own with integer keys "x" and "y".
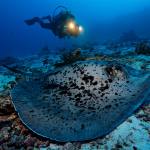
{"x": 101, "y": 19}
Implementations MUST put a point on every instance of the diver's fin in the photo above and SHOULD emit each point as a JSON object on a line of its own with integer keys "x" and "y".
{"x": 32, "y": 21}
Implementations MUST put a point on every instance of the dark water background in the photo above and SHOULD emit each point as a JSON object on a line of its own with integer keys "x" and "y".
{"x": 101, "y": 19}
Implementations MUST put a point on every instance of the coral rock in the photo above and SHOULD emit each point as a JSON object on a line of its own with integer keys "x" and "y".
{"x": 6, "y": 107}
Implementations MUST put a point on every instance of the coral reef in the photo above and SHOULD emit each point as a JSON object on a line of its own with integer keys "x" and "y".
{"x": 44, "y": 51}
{"x": 69, "y": 57}
{"x": 129, "y": 36}
{"x": 88, "y": 45}
{"x": 9, "y": 61}
{"x": 143, "y": 48}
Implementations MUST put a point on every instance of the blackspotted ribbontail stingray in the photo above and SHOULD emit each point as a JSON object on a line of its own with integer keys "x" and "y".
{"x": 81, "y": 101}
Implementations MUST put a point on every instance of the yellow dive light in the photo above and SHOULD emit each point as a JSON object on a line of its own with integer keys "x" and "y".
{"x": 73, "y": 28}
{"x": 71, "y": 25}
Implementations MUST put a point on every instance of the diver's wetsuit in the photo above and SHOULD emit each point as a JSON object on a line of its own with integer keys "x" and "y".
{"x": 56, "y": 24}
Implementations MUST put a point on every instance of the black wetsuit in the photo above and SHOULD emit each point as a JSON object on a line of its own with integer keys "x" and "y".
{"x": 55, "y": 24}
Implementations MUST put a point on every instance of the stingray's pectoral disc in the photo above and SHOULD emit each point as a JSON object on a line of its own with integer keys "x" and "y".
{"x": 81, "y": 102}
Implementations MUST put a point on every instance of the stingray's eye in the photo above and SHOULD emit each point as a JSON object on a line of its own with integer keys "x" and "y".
{"x": 109, "y": 71}
{"x": 115, "y": 71}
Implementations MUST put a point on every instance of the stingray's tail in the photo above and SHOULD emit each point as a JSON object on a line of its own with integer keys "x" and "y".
{"x": 26, "y": 76}
{"x": 31, "y": 76}
{"x": 14, "y": 70}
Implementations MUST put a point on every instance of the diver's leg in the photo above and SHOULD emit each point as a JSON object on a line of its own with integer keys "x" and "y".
{"x": 44, "y": 25}
{"x": 47, "y": 18}
{"x": 39, "y": 21}
{"x": 32, "y": 21}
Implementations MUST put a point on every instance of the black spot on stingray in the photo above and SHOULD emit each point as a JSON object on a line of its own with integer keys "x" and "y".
{"x": 87, "y": 79}
{"x": 74, "y": 71}
{"x": 106, "y": 97}
{"x": 82, "y": 87}
{"x": 64, "y": 74}
{"x": 89, "y": 94}
{"x": 86, "y": 91}
{"x": 106, "y": 81}
{"x": 62, "y": 117}
{"x": 116, "y": 104}
{"x": 104, "y": 88}
{"x": 95, "y": 83}
{"x": 73, "y": 85}
{"x": 65, "y": 87}
{"x": 82, "y": 126}
{"x": 77, "y": 99}
{"x": 102, "y": 94}
{"x": 63, "y": 92}
{"x": 74, "y": 119}
{"x": 31, "y": 111}
{"x": 69, "y": 94}
{"x": 91, "y": 108}
{"x": 82, "y": 72}
{"x": 108, "y": 107}
{"x": 78, "y": 95}
{"x": 110, "y": 80}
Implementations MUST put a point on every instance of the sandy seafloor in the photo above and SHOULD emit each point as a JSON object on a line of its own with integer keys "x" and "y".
{"x": 133, "y": 134}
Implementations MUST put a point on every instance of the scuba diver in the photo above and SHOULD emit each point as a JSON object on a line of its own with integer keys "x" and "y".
{"x": 62, "y": 25}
